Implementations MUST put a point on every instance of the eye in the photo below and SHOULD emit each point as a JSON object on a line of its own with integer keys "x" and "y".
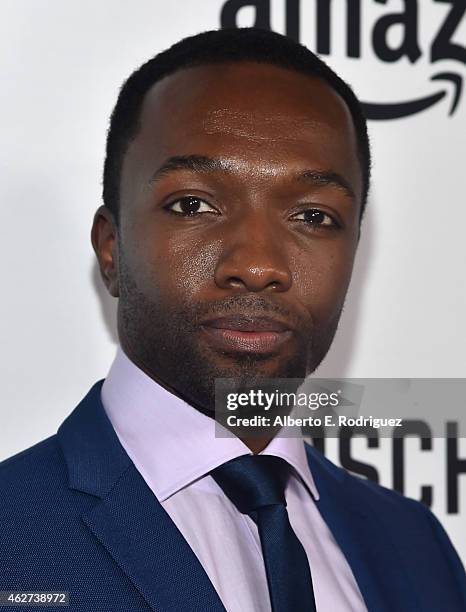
{"x": 190, "y": 206}
{"x": 316, "y": 217}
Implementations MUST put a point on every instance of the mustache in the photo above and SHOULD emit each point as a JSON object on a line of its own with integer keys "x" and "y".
{"x": 251, "y": 305}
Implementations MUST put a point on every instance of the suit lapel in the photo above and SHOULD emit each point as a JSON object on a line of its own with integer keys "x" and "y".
{"x": 149, "y": 548}
{"x": 128, "y": 520}
{"x": 363, "y": 538}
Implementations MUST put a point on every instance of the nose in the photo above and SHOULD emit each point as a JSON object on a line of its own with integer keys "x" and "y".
{"x": 253, "y": 258}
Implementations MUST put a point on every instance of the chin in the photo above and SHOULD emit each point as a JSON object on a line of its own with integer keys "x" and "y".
{"x": 259, "y": 366}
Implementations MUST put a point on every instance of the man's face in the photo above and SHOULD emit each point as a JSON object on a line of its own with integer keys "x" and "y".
{"x": 240, "y": 204}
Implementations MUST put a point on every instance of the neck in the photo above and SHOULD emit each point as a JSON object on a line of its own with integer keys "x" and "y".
{"x": 257, "y": 444}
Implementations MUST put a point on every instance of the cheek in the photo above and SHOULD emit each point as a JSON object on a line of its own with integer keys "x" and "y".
{"x": 192, "y": 264}
{"x": 176, "y": 266}
{"x": 321, "y": 278}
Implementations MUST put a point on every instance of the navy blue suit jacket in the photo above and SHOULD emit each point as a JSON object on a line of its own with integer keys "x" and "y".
{"x": 76, "y": 516}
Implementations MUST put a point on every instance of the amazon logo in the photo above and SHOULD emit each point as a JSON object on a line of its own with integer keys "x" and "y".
{"x": 443, "y": 46}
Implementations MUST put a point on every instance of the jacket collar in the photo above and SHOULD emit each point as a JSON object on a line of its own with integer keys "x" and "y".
{"x": 128, "y": 520}
{"x": 93, "y": 453}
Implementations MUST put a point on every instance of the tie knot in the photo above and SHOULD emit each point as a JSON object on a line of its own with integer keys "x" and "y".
{"x": 253, "y": 481}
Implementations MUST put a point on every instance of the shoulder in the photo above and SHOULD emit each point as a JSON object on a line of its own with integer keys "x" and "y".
{"x": 371, "y": 496}
{"x": 363, "y": 491}
{"x": 42, "y": 535}
{"x": 34, "y": 485}
{"x": 407, "y": 523}
{"x": 34, "y": 490}
{"x": 30, "y": 467}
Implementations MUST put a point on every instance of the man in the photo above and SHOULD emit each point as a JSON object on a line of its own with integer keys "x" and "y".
{"x": 235, "y": 180}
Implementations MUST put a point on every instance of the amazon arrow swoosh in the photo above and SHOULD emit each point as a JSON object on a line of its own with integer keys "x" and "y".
{"x": 395, "y": 110}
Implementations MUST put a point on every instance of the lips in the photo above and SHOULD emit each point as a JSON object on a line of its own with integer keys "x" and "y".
{"x": 246, "y": 334}
{"x": 248, "y": 324}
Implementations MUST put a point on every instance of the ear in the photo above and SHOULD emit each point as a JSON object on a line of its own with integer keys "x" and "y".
{"x": 104, "y": 238}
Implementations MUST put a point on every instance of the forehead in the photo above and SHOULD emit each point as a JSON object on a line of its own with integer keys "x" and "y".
{"x": 262, "y": 116}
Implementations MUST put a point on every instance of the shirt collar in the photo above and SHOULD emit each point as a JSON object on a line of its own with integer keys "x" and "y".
{"x": 171, "y": 443}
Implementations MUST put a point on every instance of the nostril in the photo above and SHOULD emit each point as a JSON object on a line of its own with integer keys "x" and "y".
{"x": 235, "y": 280}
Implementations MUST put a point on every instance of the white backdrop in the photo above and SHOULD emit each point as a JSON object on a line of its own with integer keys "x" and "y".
{"x": 61, "y": 64}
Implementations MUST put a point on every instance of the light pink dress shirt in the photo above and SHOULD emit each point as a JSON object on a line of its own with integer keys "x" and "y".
{"x": 173, "y": 446}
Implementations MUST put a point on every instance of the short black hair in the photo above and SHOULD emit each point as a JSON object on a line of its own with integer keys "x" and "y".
{"x": 213, "y": 47}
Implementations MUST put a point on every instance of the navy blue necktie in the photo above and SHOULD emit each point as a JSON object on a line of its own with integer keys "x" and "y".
{"x": 255, "y": 484}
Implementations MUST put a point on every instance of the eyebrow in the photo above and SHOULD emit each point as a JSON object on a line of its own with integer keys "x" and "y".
{"x": 202, "y": 163}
